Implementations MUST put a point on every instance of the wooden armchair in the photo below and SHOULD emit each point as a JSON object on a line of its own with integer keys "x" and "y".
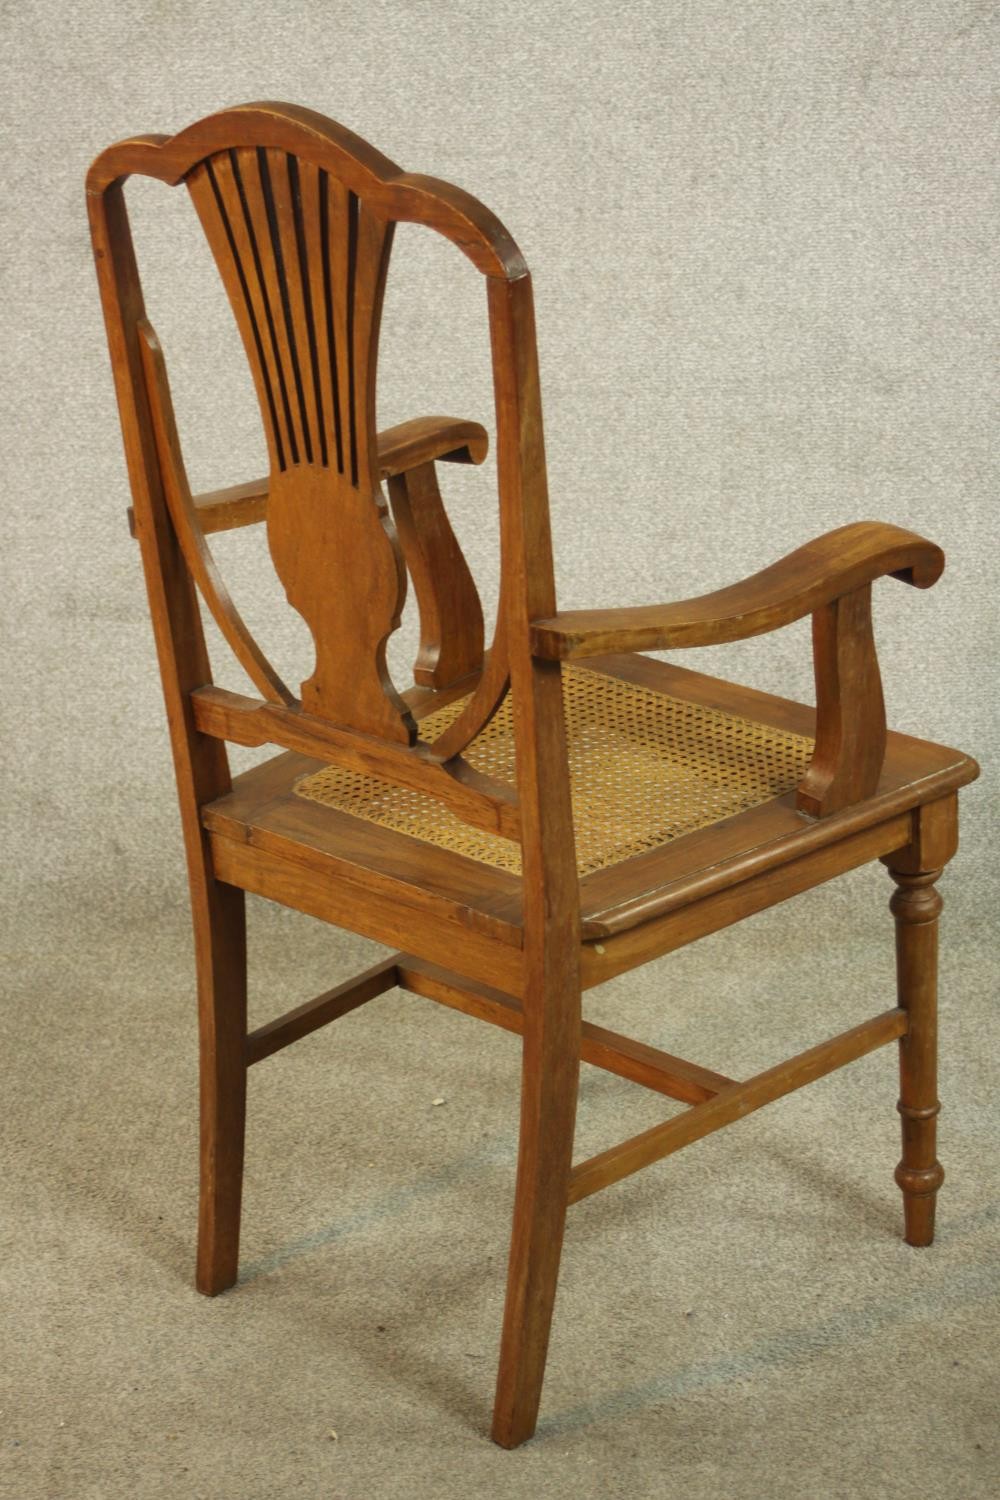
{"x": 524, "y": 822}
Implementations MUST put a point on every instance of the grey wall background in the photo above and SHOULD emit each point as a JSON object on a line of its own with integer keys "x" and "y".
{"x": 763, "y": 246}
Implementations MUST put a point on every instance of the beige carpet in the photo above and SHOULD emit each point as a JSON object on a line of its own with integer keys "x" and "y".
{"x": 762, "y": 245}
{"x": 740, "y": 1320}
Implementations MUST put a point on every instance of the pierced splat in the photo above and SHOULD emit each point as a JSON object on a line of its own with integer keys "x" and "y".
{"x": 304, "y": 264}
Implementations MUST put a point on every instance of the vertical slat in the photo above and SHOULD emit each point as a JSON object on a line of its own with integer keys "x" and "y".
{"x": 301, "y": 207}
{"x": 370, "y": 261}
{"x": 350, "y": 306}
{"x": 250, "y": 171}
{"x": 217, "y": 204}
{"x": 336, "y": 269}
{"x": 232, "y": 198}
{"x": 313, "y": 214}
{"x": 275, "y": 169}
{"x": 236, "y": 200}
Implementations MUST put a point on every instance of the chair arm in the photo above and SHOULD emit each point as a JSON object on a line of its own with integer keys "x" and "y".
{"x": 428, "y": 439}
{"x": 401, "y": 448}
{"x": 801, "y": 583}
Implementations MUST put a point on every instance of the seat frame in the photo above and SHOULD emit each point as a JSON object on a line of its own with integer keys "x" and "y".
{"x": 520, "y": 954}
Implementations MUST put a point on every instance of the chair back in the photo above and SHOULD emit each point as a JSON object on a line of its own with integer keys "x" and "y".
{"x": 299, "y": 214}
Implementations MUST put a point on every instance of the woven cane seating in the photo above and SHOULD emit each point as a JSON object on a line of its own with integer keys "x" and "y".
{"x": 645, "y": 768}
{"x": 537, "y": 812}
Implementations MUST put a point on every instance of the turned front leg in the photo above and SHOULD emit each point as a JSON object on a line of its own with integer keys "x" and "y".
{"x": 916, "y": 906}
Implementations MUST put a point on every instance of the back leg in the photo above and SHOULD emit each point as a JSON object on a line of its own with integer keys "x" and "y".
{"x": 220, "y": 945}
{"x": 550, "y": 1075}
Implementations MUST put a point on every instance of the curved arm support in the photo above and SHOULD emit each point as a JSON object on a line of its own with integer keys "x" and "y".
{"x": 815, "y": 575}
{"x": 850, "y": 710}
{"x": 401, "y": 448}
{"x": 830, "y": 579}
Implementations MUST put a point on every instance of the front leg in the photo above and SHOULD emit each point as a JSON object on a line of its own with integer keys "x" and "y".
{"x": 916, "y": 906}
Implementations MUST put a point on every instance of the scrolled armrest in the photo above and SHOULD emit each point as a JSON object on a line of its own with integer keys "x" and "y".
{"x": 430, "y": 439}
{"x": 822, "y": 571}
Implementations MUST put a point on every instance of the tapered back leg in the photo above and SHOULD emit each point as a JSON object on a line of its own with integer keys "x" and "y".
{"x": 551, "y": 1045}
{"x": 220, "y": 945}
{"x": 550, "y": 1069}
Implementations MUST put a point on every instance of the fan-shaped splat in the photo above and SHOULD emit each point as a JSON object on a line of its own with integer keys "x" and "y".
{"x": 304, "y": 264}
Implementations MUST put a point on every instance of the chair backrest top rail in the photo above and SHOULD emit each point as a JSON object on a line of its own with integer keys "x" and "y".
{"x": 389, "y": 192}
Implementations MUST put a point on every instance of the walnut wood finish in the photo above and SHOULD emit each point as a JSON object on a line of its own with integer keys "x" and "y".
{"x": 201, "y": 767}
{"x": 403, "y": 197}
{"x": 300, "y": 216}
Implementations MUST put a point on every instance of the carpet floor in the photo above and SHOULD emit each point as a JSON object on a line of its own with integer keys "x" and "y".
{"x": 742, "y": 1319}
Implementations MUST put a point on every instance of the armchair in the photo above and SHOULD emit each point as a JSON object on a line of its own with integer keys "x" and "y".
{"x": 521, "y": 822}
